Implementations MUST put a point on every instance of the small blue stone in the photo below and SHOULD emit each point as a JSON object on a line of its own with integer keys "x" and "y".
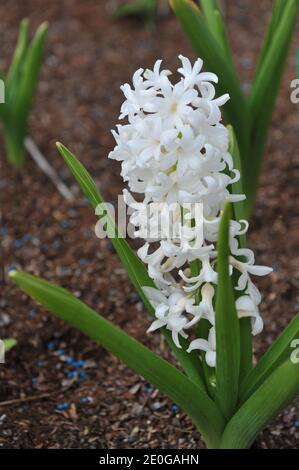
{"x": 296, "y": 424}
{"x": 69, "y": 360}
{"x": 82, "y": 374}
{"x": 61, "y": 351}
{"x": 18, "y": 244}
{"x": 3, "y": 231}
{"x": 79, "y": 363}
{"x": 51, "y": 345}
{"x": 87, "y": 232}
{"x": 73, "y": 212}
{"x": 56, "y": 244}
{"x": 174, "y": 408}
{"x": 72, "y": 374}
{"x": 62, "y": 406}
{"x": 82, "y": 261}
{"x": 85, "y": 400}
{"x": 65, "y": 223}
{"x": 34, "y": 380}
{"x": 32, "y": 312}
{"x": 148, "y": 389}
{"x": 27, "y": 237}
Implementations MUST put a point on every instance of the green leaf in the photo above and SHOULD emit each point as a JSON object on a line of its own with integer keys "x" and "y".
{"x": 227, "y": 326}
{"x": 239, "y": 214}
{"x": 276, "y": 355}
{"x": 156, "y": 370}
{"x": 277, "y": 12}
{"x": 207, "y": 48}
{"x": 14, "y": 147}
{"x": 146, "y": 8}
{"x": 136, "y": 270}
{"x": 14, "y": 73}
{"x": 274, "y": 59}
{"x": 28, "y": 81}
{"x": 9, "y": 344}
{"x": 216, "y": 25}
{"x": 278, "y": 391}
{"x": 237, "y": 188}
{"x": 264, "y": 93}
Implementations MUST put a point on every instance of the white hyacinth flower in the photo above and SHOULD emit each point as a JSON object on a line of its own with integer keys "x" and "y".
{"x": 174, "y": 150}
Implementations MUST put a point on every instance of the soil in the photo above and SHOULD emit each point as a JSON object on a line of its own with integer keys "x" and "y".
{"x": 99, "y": 403}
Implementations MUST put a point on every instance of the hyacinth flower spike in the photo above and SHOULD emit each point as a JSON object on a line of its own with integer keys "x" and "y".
{"x": 195, "y": 279}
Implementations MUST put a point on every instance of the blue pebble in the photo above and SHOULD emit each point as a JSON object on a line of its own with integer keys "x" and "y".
{"x": 296, "y": 424}
{"x": 174, "y": 408}
{"x": 3, "y": 231}
{"x": 73, "y": 212}
{"x": 72, "y": 374}
{"x": 18, "y": 244}
{"x": 32, "y": 312}
{"x": 82, "y": 261}
{"x": 65, "y": 223}
{"x": 148, "y": 389}
{"x": 62, "y": 406}
{"x": 79, "y": 363}
{"x": 69, "y": 360}
{"x": 87, "y": 232}
{"x": 56, "y": 244}
{"x": 34, "y": 380}
{"x": 27, "y": 237}
{"x": 61, "y": 351}
{"x": 82, "y": 374}
{"x": 85, "y": 400}
{"x": 51, "y": 345}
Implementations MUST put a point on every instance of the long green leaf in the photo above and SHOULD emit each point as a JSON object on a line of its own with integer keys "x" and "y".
{"x": 227, "y": 326}
{"x": 209, "y": 7}
{"x": 135, "y": 268}
{"x": 14, "y": 70}
{"x": 277, "y": 12}
{"x": 264, "y": 93}
{"x": 277, "y": 53}
{"x": 207, "y": 48}
{"x": 216, "y": 25}
{"x": 28, "y": 81}
{"x": 278, "y": 391}
{"x": 12, "y": 81}
{"x": 237, "y": 188}
{"x": 276, "y": 355}
{"x": 239, "y": 213}
{"x": 146, "y": 8}
{"x": 156, "y": 370}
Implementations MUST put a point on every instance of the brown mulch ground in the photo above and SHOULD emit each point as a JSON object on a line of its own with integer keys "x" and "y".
{"x": 88, "y": 57}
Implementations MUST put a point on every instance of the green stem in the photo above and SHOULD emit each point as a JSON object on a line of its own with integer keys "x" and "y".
{"x": 15, "y": 149}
